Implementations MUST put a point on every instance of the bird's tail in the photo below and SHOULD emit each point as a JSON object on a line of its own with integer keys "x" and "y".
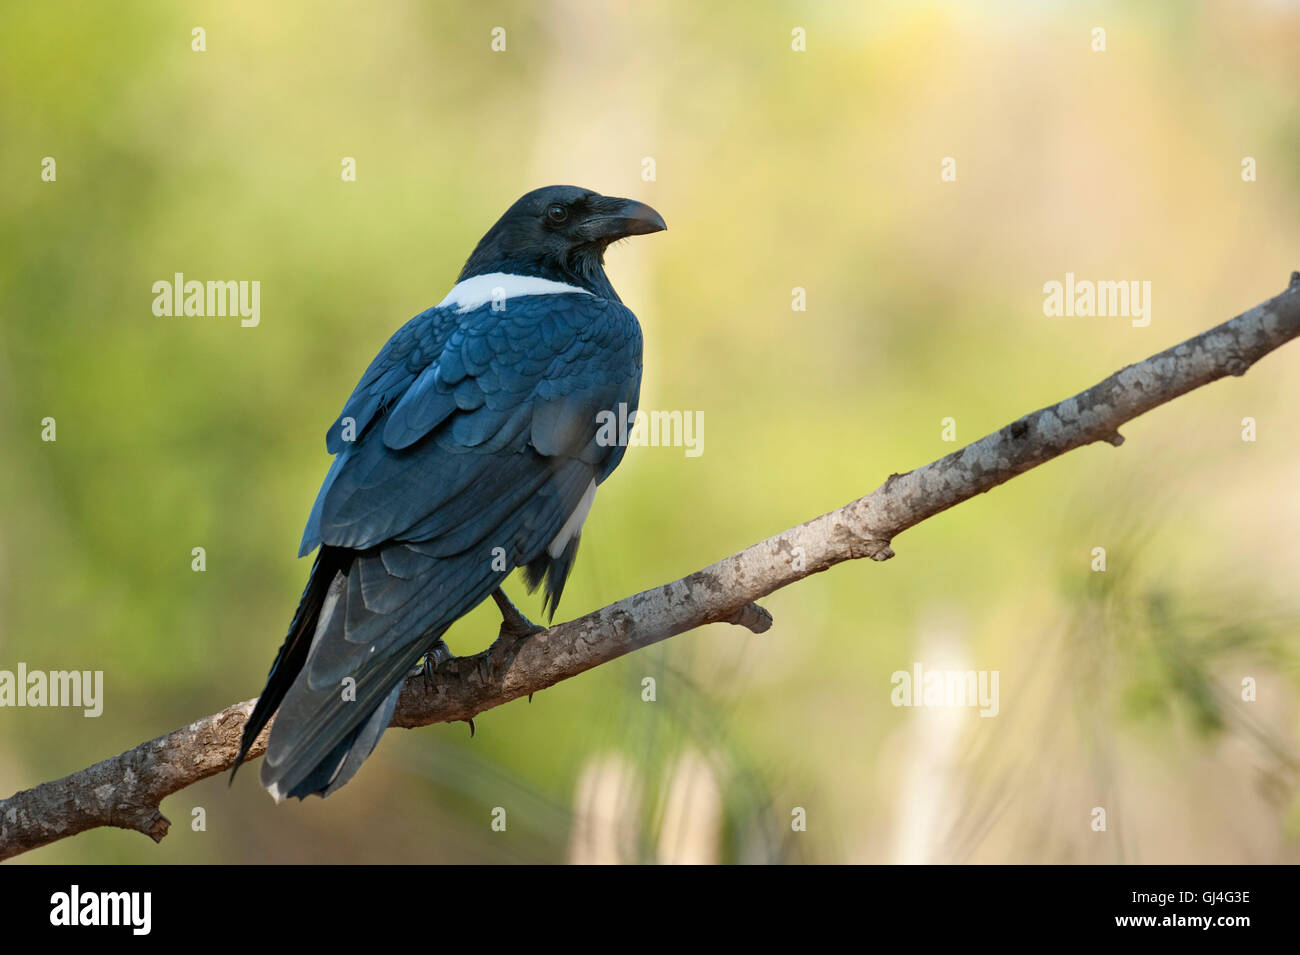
{"x": 375, "y": 622}
{"x": 330, "y": 562}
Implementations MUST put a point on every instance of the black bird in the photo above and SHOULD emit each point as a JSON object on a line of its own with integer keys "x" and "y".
{"x": 471, "y": 447}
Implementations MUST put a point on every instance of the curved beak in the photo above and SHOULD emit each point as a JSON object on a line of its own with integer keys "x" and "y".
{"x": 618, "y": 218}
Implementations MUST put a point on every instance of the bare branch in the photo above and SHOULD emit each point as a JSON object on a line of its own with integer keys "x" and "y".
{"x": 127, "y": 790}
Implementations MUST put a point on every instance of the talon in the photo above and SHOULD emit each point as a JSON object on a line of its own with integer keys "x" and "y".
{"x": 428, "y": 664}
{"x": 470, "y": 721}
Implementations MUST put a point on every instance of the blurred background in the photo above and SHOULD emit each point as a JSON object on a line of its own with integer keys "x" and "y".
{"x": 776, "y": 168}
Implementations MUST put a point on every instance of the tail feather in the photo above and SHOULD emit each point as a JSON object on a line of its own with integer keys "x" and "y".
{"x": 330, "y": 561}
{"x": 346, "y": 758}
{"x": 344, "y": 697}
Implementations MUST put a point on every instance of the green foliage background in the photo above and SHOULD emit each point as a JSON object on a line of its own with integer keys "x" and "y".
{"x": 775, "y": 169}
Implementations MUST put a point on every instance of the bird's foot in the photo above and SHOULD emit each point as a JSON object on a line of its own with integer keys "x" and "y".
{"x": 434, "y": 657}
{"x": 515, "y": 628}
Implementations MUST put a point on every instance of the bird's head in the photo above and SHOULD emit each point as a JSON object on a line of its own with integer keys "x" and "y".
{"x": 561, "y": 233}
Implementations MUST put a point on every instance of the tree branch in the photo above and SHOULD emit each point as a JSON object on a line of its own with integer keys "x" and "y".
{"x": 126, "y": 791}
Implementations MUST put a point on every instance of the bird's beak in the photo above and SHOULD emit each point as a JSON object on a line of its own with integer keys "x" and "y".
{"x": 618, "y": 218}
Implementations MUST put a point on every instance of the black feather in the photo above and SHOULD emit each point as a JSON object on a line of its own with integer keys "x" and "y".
{"x": 293, "y": 652}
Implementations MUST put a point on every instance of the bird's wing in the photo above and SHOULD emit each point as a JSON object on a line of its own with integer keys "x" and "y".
{"x": 475, "y": 441}
{"x": 450, "y": 396}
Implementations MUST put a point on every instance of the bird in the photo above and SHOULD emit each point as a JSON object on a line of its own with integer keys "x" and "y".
{"x": 469, "y": 449}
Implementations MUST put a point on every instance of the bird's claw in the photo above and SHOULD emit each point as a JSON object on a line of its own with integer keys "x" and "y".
{"x": 434, "y": 657}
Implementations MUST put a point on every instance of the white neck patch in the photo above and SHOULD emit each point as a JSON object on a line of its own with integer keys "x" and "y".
{"x": 499, "y": 286}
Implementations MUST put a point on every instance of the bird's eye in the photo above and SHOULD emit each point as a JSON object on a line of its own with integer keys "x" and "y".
{"x": 557, "y": 213}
